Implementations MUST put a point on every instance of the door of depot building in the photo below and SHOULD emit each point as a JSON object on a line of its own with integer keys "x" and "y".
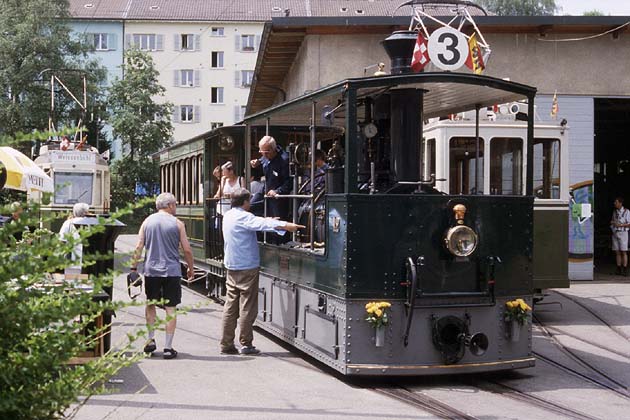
{"x": 611, "y": 172}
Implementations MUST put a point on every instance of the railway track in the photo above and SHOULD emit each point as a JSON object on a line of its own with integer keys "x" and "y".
{"x": 595, "y": 314}
{"x": 508, "y": 391}
{"x": 424, "y": 402}
{"x": 608, "y": 382}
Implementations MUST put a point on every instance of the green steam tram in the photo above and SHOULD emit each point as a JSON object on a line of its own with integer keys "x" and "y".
{"x": 422, "y": 232}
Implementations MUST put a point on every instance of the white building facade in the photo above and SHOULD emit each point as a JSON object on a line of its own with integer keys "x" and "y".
{"x": 205, "y": 67}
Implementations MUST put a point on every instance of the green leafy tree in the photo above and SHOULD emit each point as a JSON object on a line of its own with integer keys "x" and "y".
{"x": 141, "y": 122}
{"x": 46, "y": 323}
{"x": 520, "y": 7}
{"x": 594, "y": 12}
{"x": 36, "y": 42}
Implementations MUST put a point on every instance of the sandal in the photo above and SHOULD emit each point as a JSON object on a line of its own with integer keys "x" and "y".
{"x": 170, "y": 353}
{"x": 150, "y": 346}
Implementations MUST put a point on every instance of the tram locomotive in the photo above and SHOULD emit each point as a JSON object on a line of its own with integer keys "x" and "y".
{"x": 385, "y": 226}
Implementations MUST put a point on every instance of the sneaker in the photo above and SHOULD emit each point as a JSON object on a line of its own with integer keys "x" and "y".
{"x": 169, "y": 353}
{"x": 229, "y": 350}
{"x": 150, "y": 346}
{"x": 251, "y": 350}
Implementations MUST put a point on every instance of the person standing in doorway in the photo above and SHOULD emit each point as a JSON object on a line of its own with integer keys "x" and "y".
{"x": 242, "y": 260}
{"x": 619, "y": 224}
{"x": 162, "y": 234}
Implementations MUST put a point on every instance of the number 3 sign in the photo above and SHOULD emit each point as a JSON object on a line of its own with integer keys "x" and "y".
{"x": 448, "y": 48}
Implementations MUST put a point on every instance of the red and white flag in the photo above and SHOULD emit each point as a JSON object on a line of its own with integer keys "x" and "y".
{"x": 420, "y": 56}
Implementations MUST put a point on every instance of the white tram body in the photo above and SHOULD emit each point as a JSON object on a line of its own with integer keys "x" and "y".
{"x": 449, "y": 155}
{"x": 80, "y": 176}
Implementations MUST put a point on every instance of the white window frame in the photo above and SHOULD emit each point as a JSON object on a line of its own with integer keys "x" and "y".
{"x": 187, "y": 78}
{"x": 187, "y": 114}
{"x": 144, "y": 41}
{"x": 246, "y": 40}
{"x": 190, "y": 42}
{"x": 101, "y": 42}
{"x": 217, "y": 31}
{"x": 220, "y": 94}
{"x": 247, "y": 78}
{"x": 220, "y": 59}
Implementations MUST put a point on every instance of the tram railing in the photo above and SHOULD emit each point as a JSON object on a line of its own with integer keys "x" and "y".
{"x": 215, "y": 229}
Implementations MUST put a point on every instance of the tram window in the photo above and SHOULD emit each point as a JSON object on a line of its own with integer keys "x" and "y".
{"x": 200, "y": 177}
{"x": 428, "y": 153}
{"x": 506, "y": 166}
{"x": 462, "y": 153}
{"x": 547, "y": 168}
{"x": 73, "y": 187}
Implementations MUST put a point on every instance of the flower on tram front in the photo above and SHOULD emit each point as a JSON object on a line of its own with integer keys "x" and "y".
{"x": 377, "y": 313}
{"x": 517, "y": 310}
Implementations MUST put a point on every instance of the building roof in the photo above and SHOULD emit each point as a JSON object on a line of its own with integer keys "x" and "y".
{"x": 241, "y": 10}
{"x": 283, "y": 37}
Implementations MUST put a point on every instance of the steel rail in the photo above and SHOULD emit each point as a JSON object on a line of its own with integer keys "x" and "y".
{"x": 518, "y": 395}
{"x": 618, "y": 387}
{"x": 424, "y": 402}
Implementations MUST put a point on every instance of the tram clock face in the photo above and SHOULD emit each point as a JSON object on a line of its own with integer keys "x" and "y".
{"x": 226, "y": 143}
{"x": 370, "y": 130}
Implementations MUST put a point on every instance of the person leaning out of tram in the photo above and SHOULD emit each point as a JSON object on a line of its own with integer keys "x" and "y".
{"x": 229, "y": 183}
{"x": 275, "y": 164}
{"x": 242, "y": 260}
{"x": 619, "y": 225}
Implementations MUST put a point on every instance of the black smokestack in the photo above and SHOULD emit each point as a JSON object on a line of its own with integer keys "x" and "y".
{"x": 399, "y": 46}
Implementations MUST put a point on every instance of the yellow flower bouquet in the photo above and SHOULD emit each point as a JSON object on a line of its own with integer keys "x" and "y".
{"x": 377, "y": 313}
{"x": 517, "y": 310}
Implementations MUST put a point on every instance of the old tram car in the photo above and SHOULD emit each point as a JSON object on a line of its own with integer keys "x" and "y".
{"x": 410, "y": 214}
{"x": 80, "y": 176}
{"x": 450, "y": 154}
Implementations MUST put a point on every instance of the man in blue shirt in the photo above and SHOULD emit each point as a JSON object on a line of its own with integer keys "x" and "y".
{"x": 242, "y": 260}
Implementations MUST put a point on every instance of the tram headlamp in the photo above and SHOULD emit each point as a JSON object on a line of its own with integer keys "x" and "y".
{"x": 461, "y": 240}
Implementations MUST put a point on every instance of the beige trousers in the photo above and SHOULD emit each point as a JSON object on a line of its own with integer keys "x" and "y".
{"x": 242, "y": 297}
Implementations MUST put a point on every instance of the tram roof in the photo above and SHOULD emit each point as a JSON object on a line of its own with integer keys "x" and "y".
{"x": 445, "y": 93}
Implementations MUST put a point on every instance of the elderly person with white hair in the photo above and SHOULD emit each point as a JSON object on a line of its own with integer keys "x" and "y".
{"x": 275, "y": 164}
{"x": 69, "y": 231}
{"x": 162, "y": 235}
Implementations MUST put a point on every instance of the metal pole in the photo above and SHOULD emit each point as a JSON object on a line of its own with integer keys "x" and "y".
{"x": 529, "y": 186}
{"x": 267, "y": 126}
{"x": 312, "y": 213}
{"x": 477, "y": 149}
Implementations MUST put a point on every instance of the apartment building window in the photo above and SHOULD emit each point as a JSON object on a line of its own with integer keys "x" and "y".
{"x": 215, "y": 125}
{"x": 187, "y": 42}
{"x": 248, "y": 43}
{"x": 187, "y": 78}
{"x": 217, "y": 59}
{"x": 146, "y": 42}
{"x": 218, "y": 31}
{"x": 101, "y": 42}
{"x": 187, "y": 113}
{"x": 247, "y": 77}
{"x": 216, "y": 95}
{"x": 239, "y": 112}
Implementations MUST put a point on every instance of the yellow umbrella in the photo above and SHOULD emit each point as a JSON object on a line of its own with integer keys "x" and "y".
{"x": 22, "y": 173}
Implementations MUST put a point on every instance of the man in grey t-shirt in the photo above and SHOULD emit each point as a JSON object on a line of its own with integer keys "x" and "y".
{"x": 162, "y": 234}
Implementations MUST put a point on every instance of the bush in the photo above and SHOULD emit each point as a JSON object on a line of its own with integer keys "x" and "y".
{"x": 44, "y": 324}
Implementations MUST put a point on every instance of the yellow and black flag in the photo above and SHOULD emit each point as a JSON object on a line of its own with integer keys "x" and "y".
{"x": 475, "y": 56}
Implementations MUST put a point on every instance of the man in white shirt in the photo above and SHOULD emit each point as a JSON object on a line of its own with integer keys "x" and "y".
{"x": 242, "y": 260}
{"x": 619, "y": 225}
